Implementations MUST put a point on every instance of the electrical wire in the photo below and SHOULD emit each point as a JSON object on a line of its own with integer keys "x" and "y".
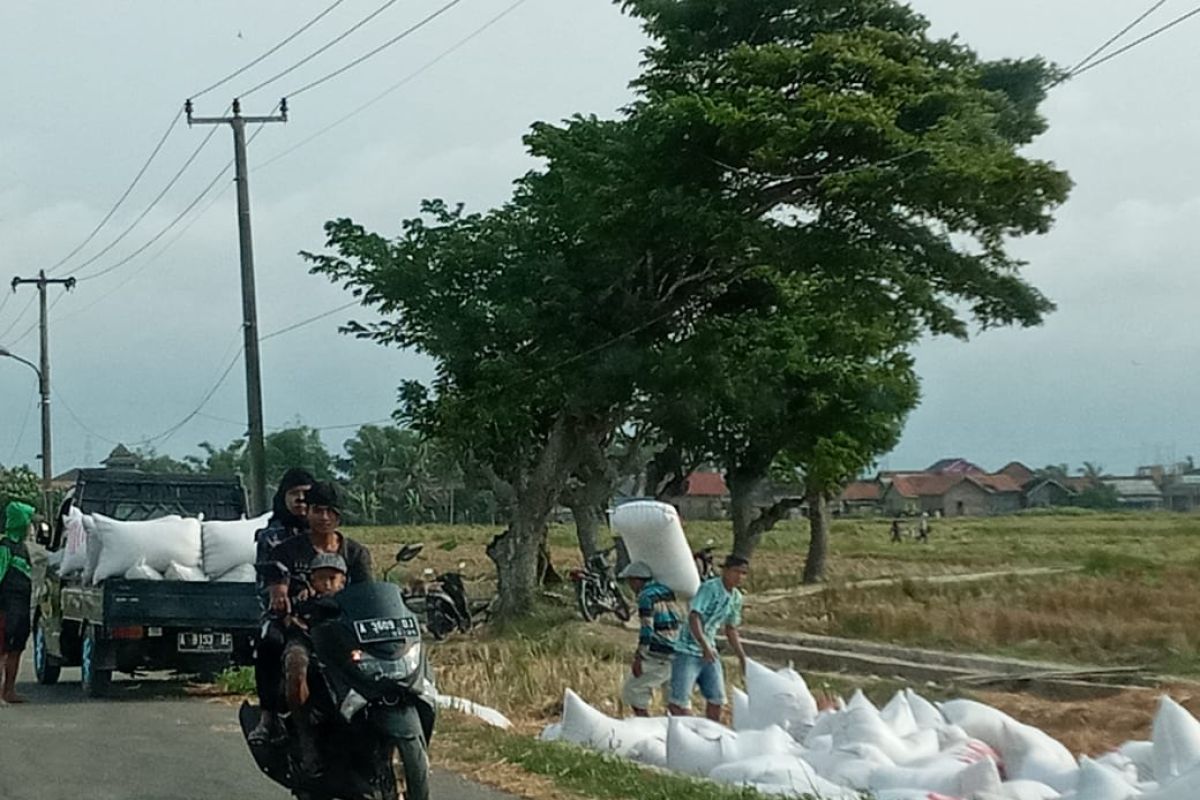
{"x": 371, "y": 53}
{"x": 4, "y": 302}
{"x": 21, "y": 432}
{"x": 395, "y": 86}
{"x": 169, "y": 432}
{"x": 124, "y": 195}
{"x": 71, "y": 413}
{"x": 20, "y": 316}
{"x": 1135, "y": 43}
{"x": 269, "y": 53}
{"x": 1117, "y": 36}
{"x": 308, "y": 321}
{"x": 25, "y": 335}
{"x": 319, "y": 50}
{"x": 174, "y": 179}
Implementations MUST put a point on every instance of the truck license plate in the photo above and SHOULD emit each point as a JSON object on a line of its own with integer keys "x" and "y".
{"x": 205, "y": 643}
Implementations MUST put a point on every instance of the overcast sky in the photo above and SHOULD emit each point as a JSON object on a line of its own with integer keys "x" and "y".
{"x": 88, "y": 88}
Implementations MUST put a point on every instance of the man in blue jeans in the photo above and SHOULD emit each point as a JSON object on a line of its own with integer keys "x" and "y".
{"x": 717, "y": 605}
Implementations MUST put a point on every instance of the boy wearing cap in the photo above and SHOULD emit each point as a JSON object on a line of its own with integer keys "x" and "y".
{"x": 717, "y": 605}
{"x": 660, "y": 623}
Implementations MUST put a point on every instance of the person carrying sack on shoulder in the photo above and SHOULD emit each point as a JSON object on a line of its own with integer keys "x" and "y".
{"x": 660, "y": 623}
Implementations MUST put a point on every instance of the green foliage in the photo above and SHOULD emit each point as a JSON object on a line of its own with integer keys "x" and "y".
{"x": 237, "y": 680}
{"x": 1098, "y": 496}
{"x": 297, "y": 446}
{"x": 20, "y": 484}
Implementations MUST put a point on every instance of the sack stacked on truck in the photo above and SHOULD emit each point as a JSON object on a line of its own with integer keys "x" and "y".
{"x": 118, "y": 545}
{"x": 229, "y": 548}
{"x": 653, "y": 535}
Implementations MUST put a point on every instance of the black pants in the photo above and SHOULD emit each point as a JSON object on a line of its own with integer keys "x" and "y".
{"x": 268, "y": 668}
{"x": 16, "y": 595}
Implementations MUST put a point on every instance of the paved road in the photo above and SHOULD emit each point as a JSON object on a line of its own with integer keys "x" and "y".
{"x": 146, "y": 743}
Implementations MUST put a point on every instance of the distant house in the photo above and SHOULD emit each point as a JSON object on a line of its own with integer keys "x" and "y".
{"x": 1139, "y": 494}
{"x": 952, "y": 494}
{"x": 1049, "y": 493}
{"x": 1020, "y": 473}
{"x": 1182, "y": 493}
{"x": 861, "y": 497}
{"x": 956, "y": 466}
{"x": 705, "y": 496}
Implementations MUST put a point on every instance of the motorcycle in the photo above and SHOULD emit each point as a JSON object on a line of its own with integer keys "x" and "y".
{"x": 597, "y": 590}
{"x": 705, "y": 562}
{"x": 444, "y": 598}
{"x": 373, "y": 699}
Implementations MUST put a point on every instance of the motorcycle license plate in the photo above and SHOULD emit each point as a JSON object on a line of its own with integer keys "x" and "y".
{"x": 386, "y": 630}
{"x": 205, "y": 643}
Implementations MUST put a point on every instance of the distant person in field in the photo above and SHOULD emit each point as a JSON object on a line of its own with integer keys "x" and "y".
{"x": 923, "y": 528}
{"x": 897, "y": 534}
{"x": 716, "y": 606}
{"x": 660, "y": 619}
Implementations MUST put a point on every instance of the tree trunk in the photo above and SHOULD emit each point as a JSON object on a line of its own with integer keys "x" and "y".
{"x": 515, "y": 551}
{"x": 589, "y": 521}
{"x": 818, "y": 545}
{"x": 743, "y": 488}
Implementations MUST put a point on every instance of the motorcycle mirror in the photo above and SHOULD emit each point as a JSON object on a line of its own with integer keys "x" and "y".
{"x": 408, "y": 552}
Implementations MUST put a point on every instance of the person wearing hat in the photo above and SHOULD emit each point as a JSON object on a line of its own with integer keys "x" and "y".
{"x": 16, "y": 594}
{"x": 717, "y": 605}
{"x": 288, "y": 520}
{"x": 327, "y": 575}
{"x": 660, "y": 622}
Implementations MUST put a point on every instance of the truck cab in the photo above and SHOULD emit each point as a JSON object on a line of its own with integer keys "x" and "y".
{"x": 125, "y": 625}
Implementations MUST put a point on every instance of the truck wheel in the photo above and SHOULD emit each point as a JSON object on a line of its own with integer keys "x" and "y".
{"x": 45, "y": 666}
{"x": 96, "y": 681}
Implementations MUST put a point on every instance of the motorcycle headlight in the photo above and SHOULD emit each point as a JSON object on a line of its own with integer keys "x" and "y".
{"x": 408, "y": 664}
{"x": 412, "y": 658}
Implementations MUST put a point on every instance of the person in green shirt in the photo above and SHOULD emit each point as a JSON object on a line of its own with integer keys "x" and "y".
{"x": 716, "y": 606}
{"x": 16, "y": 594}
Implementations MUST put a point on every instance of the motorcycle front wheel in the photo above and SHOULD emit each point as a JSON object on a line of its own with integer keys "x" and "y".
{"x": 589, "y": 604}
{"x": 621, "y": 605}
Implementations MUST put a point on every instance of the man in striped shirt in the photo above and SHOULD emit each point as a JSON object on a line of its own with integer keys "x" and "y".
{"x": 660, "y": 624}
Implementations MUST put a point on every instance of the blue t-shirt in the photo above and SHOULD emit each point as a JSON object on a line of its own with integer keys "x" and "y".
{"x": 717, "y": 608}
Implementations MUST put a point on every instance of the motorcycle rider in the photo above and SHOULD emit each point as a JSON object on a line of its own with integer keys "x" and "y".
{"x": 288, "y": 520}
{"x": 297, "y": 555}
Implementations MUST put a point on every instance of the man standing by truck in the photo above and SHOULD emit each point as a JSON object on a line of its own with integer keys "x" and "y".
{"x": 288, "y": 520}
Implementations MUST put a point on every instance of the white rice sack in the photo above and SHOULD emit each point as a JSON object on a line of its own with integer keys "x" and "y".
{"x": 1182, "y": 787}
{"x": 584, "y": 725}
{"x": 226, "y": 545}
{"x": 862, "y": 725}
{"x": 1024, "y": 790}
{"x": 946, "y": 776}
{"x": 779, "y": 698}
{"x": 653, "y": 535}
{"x": 1122, "y": 764}
{"x": 243, "y": 573}
{"x": 696, "y": 750}
{"x": 1176, "y": 736}
{"x": 860, "y": 700}
{"x": 1098, "y": 782}
{"x": 979, "y": 720}
{"x": 141, "y": 571}
{"x": 481, "y": 712}
{"x": 160, "y": 542}
{"x": 1032, "y": 754}
{"x": 651, "y": 751}
{"x": 1142, "y": 756}
{"x": 822, "y": 728}
{"x": 784, "y": 774}
{"x": 898, "y": 714}
{"x": 552, "y": 732}
{"x": 75, "y": 546}
{"x": 91, "y": 549}
{"x": 741, "y": 710}
{"x": 925, "y": 712}
{"x": 182, "y": 572}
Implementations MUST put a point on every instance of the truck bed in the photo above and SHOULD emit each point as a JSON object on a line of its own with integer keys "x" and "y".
{"x": 169, "y": 604}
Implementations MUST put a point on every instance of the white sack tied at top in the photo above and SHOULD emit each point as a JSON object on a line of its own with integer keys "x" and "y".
{"x": 653, "y": 534}
{"x": 229, "y": 544}
{"x": 160, "y": 542}
{"x": 777, "y": 698}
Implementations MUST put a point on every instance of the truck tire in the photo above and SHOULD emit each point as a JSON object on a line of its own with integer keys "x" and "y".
{"x": 96, "y": 681}
{"x": 45, "y": 666}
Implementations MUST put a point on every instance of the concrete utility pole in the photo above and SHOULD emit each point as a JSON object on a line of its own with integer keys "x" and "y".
{"x": 42, "y": 282}
{"x": 254, "y": 403}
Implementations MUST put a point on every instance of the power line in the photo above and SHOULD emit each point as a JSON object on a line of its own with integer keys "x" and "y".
{"x": 21, "y": 432}
{"x": 174, "y": 179}
{"x": 169, "y": 432}
{"x": 397, "y": 85}
{"x": 34, "y": 326}
{"x": 319, "y": 50}
{"x": 71, "y": 413}
{"x": 308, "y": 321}
{"x": 267, "y": 54}
{"x": 124, "y": 195}
{"x": 1117, "y": 36}
{"x": 1135, "y": 43}
{"x": 20, "y": 315}
{"x": 371, "y": 53}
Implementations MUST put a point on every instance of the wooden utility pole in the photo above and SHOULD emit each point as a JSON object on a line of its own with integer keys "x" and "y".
{"x": 254, "y": 402}
{"x": 42, "y": 282}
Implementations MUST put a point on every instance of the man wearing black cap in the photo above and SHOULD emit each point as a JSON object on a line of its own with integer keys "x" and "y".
{"x": 288, "y": 520}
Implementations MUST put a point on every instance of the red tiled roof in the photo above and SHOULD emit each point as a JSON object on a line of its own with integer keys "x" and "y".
{"x": 1000, "y": 482}
{"x": 706, "y": 484}
{"x": 1018, "y": 472}
{"x": 956, "y": 466}
{"x": 925, "y": 484}
{"x": 861, "y": 491}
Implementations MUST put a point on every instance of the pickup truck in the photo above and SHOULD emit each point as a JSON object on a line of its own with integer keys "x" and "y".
{"x": 127, "y": 626}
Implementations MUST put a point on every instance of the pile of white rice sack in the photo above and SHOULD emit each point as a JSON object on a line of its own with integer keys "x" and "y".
{"x": 911, "y": 749}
